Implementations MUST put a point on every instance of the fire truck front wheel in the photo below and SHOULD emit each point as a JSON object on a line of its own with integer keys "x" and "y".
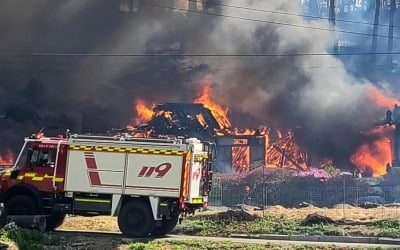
{"x": 136, "y": 219}
{"x": 21, "y": 205}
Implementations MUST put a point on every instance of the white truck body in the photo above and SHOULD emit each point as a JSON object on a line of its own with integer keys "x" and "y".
{"x": 135, "y": 168}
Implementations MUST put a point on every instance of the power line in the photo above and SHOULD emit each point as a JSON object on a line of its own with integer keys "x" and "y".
{"x": 53, "y": 54}
{"x": 269, "y": 22}
{"x": 294, "y": 14}
{"x": 309, "y": 67}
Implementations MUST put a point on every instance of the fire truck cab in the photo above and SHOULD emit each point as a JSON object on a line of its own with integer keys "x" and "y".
{"x": 147, "y": 183}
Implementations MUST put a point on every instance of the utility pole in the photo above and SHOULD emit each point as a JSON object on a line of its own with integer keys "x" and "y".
{"x": 391, "y": 24}
{"x": 313, "y": 7}
{"x": 332, "y": 21}
{"x": 375, "y": 31}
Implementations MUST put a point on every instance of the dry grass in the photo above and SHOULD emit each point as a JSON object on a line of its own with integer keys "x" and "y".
{"x": 337, "y": 213}
{"x": 97, "y": 223}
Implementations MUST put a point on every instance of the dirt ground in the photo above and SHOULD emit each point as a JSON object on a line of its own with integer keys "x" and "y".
{"x": 337, "y": 213}
{"x": 97, "y": 223}
{"x": 107, "y": 223}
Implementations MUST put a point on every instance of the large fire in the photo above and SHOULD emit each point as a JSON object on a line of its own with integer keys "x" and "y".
{"x": 374, "y": 156}
{"x": 7, "y": 159}
{"x": 220, "y": 113}
{"x": 282, "y": 152}
{"x": 144, "y": 112}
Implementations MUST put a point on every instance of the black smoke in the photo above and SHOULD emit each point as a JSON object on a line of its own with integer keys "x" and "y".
{"x": 314, "y": 95}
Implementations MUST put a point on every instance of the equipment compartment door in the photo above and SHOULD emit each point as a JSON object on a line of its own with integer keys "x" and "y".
{"x": 155, "y": 175}
{"x": 97, "y": 172}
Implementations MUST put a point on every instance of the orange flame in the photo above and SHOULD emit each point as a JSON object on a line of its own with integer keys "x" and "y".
{"x": 143, "y": 111}
{"x": 380, "y": 99}
{"x": 201, "y": 120}
{"x": 166, "y": 114}
{"x": 7, "y": 159}
{"x": 220, "y": 113}
{"x": 376, "y": 155}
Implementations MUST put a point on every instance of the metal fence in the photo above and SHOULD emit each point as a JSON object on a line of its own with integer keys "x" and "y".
{"x": 373, "y": 202}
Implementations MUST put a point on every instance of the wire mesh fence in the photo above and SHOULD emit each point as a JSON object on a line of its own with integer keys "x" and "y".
{"x": 339, "y": 200}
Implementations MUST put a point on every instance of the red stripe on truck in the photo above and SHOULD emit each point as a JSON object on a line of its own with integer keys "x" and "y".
{"x": 94, "y": 178}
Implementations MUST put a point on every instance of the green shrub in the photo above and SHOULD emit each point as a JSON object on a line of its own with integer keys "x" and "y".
{"x": 25, "y": 239}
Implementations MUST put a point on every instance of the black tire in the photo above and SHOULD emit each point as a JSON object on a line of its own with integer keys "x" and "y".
{"x": 21, "y": 205}
{"x": 166, "y": 227}
{"x": 136, "y": 219}
{"x": 54, "y": 221}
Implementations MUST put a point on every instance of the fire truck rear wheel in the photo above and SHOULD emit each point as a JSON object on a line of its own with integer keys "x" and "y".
{"x": 167, "y": 225}
{"x": 54, "y": 221}
{"x": 21, "y": 205}
{"x": 136, "y": 219}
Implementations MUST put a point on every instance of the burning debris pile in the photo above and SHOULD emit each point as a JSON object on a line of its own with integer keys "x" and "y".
{"x": 237, "y": 148}
{"x": 180, "y": 119}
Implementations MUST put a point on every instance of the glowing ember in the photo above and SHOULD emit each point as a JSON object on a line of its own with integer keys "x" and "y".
{"x": 374, "y": 156}
{"x": 143, "y": 111}
{"x": 220, "y": 113}
{"x": 380, "y": 99}
{"x": 244, "y": 132}
{"x": 7, "y": 159}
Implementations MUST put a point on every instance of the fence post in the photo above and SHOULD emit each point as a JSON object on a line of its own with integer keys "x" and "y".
{"x": 265, "y": 198}
{"x": 357, "y": 195}
{"x": 344, "y": 197}
{"x": 221, "y": 193}
{"x": 309, "y": 198}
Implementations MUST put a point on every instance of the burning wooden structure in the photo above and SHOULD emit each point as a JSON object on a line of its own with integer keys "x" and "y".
{"x": 237, "y": 150}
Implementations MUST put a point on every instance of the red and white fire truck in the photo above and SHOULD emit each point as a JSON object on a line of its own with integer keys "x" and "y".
{"x": 147, "y": 183}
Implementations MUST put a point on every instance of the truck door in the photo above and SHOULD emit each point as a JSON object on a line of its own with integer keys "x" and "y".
{"x": 40, "y": 170}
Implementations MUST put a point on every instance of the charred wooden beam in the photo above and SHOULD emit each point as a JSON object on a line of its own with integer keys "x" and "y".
{"x": 297, "y": 165}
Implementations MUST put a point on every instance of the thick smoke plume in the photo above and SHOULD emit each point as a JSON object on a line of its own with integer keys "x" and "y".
{"x": 314, "y": 95}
